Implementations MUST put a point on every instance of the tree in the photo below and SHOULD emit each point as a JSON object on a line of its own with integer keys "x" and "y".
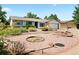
{"x": 3, "y": 21}
{"x": 76, "y": 16}
{"x": 31, "y": 15}
{"x": 45, "y": 17}
{"x": 55, "y": 17}
{"x": 51, "y": 17}
{"x": 2, "y": 15}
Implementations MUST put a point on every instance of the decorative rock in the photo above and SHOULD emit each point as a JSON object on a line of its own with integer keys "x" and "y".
{"x": 59, "y": 44}
{"x": 51, "y": 44}
{"x": 68, "y": 34}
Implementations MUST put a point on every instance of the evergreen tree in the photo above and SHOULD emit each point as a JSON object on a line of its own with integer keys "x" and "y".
{"x": 45, "y": 17}
{"x": 31, "y": 15}
{"x": 51, "y": 17}
{"x": 55, "y": 17}
{"x": 76, "y": 14}
{"x": 2, "y": 15}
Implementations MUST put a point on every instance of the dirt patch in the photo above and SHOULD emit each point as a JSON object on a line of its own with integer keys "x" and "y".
{"x": 49, "y": 38}
{"x": 35, "y": 39}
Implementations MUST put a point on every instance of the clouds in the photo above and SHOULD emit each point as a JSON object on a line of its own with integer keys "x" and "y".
{"x": 6, "y": 9}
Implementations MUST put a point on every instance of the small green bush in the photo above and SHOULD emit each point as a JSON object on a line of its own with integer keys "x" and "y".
{"x": 23, "y": 30}
{"x": 10, "y": 31}
{"x": 3, "y": 45}
{"x": 31, "y": 29}
{"x": 46, "y": 28}
{"x": 27, "y": 26}
{"x": 2, "y": 26}
{"x": 15, "y": 31}
{"x": 50, "y": 29}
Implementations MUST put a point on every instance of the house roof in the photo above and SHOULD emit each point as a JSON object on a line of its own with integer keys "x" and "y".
{"x": 66, "y": 21}
{"x": 27, "y": 19}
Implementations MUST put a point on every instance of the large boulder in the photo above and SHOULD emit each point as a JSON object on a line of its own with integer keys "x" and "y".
{"x": 68, "y": 34}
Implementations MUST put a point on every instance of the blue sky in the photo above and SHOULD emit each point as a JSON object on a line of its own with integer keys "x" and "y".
{"x": 63, "y": 11}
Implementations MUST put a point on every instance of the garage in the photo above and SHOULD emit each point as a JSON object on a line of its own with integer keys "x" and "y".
{"x": 54, "y": 24}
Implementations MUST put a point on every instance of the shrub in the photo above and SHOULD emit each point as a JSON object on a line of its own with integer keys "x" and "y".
{"x": 2, "y": 26}
{"x": 46, "y": 28}
{"x": 8, "y": 47}
{"x": 3, "y": 45}
{"x": 27, "y": 26}
{"x": 16, "y": 48}
{"x": 10, "y": 31}
{"x": 23, "y": 30}
{"x": 31, "y": 29}
{"x": 15, "y": 31}
{"x": 50, "y": 29}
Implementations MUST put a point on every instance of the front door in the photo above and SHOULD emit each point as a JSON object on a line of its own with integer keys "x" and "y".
{"x": 36, "y": 24}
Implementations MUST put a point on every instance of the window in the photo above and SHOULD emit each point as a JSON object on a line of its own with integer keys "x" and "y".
{"x": 19, "y": 23}
{"x": 28, "y": 23}
{"x": 41, "y": 24}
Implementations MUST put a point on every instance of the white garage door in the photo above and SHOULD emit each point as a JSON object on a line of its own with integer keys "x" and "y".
{"x": 55, "y": 25}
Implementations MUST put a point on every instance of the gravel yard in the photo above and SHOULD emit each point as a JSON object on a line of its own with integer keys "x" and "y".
{"x": 50, "y": 38}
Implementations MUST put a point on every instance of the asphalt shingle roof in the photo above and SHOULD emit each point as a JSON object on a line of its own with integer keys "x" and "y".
{"x": 27, "y": 19}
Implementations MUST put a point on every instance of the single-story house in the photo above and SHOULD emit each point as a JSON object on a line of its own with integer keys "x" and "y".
{"x": 38, "y": 23}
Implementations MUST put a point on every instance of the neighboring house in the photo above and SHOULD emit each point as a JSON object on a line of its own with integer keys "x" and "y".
{"x": 38, "y": 23}
{"x": 66, "y": 24}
